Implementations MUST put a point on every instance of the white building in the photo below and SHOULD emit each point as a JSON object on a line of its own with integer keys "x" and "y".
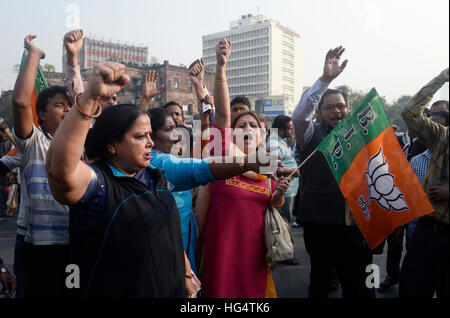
{"x": 264, "y": 61}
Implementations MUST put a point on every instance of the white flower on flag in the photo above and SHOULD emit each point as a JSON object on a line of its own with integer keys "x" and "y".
{"x": 382, "y": 187}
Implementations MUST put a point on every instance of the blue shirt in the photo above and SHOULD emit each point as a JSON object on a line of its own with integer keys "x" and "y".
{"x": 287, "y": 160}
{"x": 183, "y": 173}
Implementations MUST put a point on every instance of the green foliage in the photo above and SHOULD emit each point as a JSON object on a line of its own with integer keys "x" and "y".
{"x": 354, "y": 96}
{"x": 394, "y": 112}
{"x": 6, "y": 107}
{"x": 49, "y": 67}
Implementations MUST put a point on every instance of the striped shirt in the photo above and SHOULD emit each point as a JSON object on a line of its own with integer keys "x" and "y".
{"x": 48, "y": 221}
{"x": 420, "y": 163}
{"x": 435, "y": 137}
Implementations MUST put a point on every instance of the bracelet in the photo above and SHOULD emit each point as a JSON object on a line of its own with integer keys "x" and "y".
{"x": 220, "y": 81}
{"x": 3, "y": 270}
{"x": 82, "y": 112}
{"x": 281, "y": 204}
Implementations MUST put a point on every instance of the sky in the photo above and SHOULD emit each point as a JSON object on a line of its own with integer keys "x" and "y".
{"x": 396, "y": 46}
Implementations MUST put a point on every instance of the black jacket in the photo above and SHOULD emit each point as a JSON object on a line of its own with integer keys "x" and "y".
{"x": 137, "y": 249}
{"x": 319, "y": 198}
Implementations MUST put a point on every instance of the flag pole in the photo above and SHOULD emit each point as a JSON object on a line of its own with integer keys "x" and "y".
{"x": 303, "y": 162}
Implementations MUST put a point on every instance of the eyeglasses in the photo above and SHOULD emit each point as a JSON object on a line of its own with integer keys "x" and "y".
{"x": 332, "y": 106}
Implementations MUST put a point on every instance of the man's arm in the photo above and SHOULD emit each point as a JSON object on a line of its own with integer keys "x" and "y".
{"x": 421, "y": 126}
{"x": 73, "y": 41}
{"x": 23, "y": 90}
{"x": 197, "y": 75}
{"x": 7, "y": 163}
{"x": 303, "y": 113}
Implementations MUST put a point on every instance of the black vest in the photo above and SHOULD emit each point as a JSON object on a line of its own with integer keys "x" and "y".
{"x": 137, "y": 249}
{"x": 321, "y": 200}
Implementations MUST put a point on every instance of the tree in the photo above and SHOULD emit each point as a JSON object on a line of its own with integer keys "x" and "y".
{"x": 394, "y": 112}
{"x": 154, "y": 60}
{"x": 6, "y": 107}
{"x": 49, "y": 67}
{"x": 354, "y": 97}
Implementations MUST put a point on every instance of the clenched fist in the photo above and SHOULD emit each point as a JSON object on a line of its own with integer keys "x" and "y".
{"x": 108, "y": 78}
{"x": 223, "y": 51}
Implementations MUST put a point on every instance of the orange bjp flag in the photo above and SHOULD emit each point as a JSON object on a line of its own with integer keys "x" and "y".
{"x": 373, "y": 174}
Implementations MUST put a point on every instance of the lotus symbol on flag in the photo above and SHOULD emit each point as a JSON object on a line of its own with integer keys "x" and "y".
{"x": 382, "y": 187}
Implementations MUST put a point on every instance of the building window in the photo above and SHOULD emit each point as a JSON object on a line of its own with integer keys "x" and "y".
{"x": 176, "y": 83}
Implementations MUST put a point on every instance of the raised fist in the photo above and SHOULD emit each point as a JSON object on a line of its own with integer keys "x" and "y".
{"x": 223, "y": 51}
{"x": 73, "y": 41}
{"x": 197, "y": 72}
{"x": 107, "y": 79}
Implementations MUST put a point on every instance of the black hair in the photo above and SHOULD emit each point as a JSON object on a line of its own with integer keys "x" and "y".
{"x": 158, "y": 118}
{"x": 191, "y": 136}
{"x": 252, "y": 113}
{"x": 111, "y": 126}
{"x": 241, "y": 100}
{"x": 172, "y": 103}
{"x": 281, "y": 121}
{"x": 45, "y": 95}
{"x": 332, "y": 92}
{"x": 445, "y": 102}
{"x": 443, "y": 114}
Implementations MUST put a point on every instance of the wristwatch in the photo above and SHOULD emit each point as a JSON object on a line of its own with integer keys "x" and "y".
{"x": 3, "y": 270}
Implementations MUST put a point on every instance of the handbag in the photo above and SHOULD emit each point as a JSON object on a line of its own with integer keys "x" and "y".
{"x": 277, "y": 236}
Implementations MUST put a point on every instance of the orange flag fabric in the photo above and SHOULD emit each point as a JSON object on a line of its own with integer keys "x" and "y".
{"x": 373, "y": 174}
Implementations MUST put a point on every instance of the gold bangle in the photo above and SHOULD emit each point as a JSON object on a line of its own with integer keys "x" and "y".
{"x": 220, "y": 81}
{"x": 82, "y": 112}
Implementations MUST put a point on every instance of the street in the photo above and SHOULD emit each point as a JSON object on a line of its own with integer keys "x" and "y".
{"x": 291, "y": 281}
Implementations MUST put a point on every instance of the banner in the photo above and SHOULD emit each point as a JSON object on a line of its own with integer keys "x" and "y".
{"x": 377, "y": 181}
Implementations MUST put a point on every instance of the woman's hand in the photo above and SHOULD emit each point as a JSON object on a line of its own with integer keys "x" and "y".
{"x": 223, "y": 51}
{"x": 193, "y": 286}
{"x": 282, "y": 187}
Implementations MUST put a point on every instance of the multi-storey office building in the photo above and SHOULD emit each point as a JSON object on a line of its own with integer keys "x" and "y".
{"x": 94, "y": 51}
{"x": 265, "y": 59}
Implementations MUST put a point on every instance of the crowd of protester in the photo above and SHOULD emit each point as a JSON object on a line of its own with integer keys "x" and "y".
{"x": 142, "y": 213}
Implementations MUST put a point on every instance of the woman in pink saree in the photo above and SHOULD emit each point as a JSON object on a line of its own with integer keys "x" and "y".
{"x": 231, "y": 251}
